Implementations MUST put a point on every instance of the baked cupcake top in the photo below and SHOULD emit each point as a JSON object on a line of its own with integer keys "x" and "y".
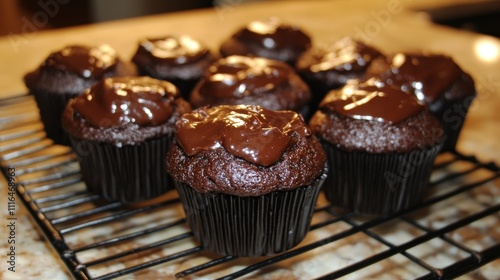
{"x": 373, "y": 117}
{"x": 429, "y": 76}
{"x": 77, "y": 67}
{"x": 244, "y": 150}
{"x": 253, "y": 81}
{"x": 269, "y": 38}
{"x": 125, "y": 110}
{"x": 372, "y": 102}
{"x": 345, "y": 55}
{"x": 82, "y": 60}
{"x": 163, "y": 57}
{"x": 332, "y": 65}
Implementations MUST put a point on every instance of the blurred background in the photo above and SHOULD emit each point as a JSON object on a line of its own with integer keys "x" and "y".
{"x": 48, "y": 14}
{"x": 482, "y": 16}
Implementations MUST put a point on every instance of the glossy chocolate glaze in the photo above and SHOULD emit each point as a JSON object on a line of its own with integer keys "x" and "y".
{"x": 269, "y": 38}
{"x": 273, "y": 34}
{"x": 87, "y": 62}
{"x": 172, "y": 49}
{"x": 255, "y": 134}
{"x": 115, "y": 102}
{"x": 428, "y": 76}
{"x": 345, "y": 54}
{"x": 239, "y": 76}
{"x": 372, "y": 100}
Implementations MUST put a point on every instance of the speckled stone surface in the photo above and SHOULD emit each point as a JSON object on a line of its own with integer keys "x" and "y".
{"x": 35, "y": 258}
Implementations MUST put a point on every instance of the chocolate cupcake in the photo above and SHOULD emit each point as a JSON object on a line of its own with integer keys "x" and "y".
{"x": 269, "y": 38}
{"x": 248, "y": 177}
{"x": 435, "y": 79}
{"x": 235, "y": 80}
{"x": 121, "y": 129}
{"x": 67, "y": 73}
{"x": 381, "y": 144}
{"x": 329, "y": 67}
{"x": 180, "y": 60}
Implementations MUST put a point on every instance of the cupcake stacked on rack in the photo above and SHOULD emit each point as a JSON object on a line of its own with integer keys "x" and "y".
{"x": 251, "y": 134}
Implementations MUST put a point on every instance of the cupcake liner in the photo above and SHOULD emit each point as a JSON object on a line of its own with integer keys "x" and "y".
{"x": 130, "y": 173}
{"x": 377, "y": 184}
{"x": 51, "y": 107}
{"x": 305, "y": 112}
{"x": 185, "y": 86}
{"x": 250, "y": 226}
{"x": 451, "y": 114}
{"x": 318, "y": 92}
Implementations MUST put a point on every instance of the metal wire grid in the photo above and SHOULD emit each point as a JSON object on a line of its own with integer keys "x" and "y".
{"x": 50, "y": 186}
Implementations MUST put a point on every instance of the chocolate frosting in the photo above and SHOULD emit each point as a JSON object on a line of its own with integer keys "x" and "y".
{"x": 429, "y": 76}
{"x": 172, "y": 49}
{"x": 372, "y": 100}
{"x": 344, "y": 55}
{"x": 240, "y": 76}
{"x": 73, "y": 69}
{"x": 273, "y": 34}
{"x": 255, "y": 134}
{"x": 115, "y": 102}
{"x": 269, "y": 38}
{"x": 244, "y": 150}
{"x": 87, "y": 62}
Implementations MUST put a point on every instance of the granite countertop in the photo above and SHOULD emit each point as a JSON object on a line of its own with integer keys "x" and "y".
{"x": 391, "y": 25}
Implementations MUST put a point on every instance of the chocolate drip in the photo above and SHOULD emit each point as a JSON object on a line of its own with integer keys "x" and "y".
{"x": 255, "y": 134}
{"x": 273, "y": 34}
{"x": 428, "y": 76}
{"x": 171, "y": 49}
{"x": 345, "y": 54}
{"x": 87, "y": 62}
{"x": 239, "y": 76}
{"x": 114, "y": 102}
{"x": 372, "y": 100}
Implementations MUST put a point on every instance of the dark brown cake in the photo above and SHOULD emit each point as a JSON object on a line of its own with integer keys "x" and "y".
{"x": 380, "y": 142}
{"x": 67, "y": 73}
{"x": 329, "y": 67}
{"x": 236, "y": 164}
{"x": 180, "y": 60}
{"x": 120, "y": 130}
{"x": 435, "y": 79}
{"x": 234, "y": 80}
{"x": 269, "y": 38}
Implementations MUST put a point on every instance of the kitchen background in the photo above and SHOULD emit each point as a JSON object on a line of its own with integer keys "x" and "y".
{"x": 482, "y": 16}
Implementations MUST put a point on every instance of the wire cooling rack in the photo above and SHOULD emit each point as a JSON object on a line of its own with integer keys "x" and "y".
{"x": 453, "y": 232}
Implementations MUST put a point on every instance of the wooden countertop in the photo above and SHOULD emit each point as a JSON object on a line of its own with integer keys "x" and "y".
{"x": 390, "y": 25}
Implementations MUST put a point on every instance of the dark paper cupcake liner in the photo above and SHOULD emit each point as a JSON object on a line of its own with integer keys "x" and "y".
{"x": 320, "y": 87}
{"x": 452, "y": 116}
{"x": 185, "y": 86}
{"x": 130, "y": 173}
{"x": 51, "y": 107}
{"x": 377, "y": 184}
{"x": 305, "y": 112}
{"x": 250, "y": 226}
